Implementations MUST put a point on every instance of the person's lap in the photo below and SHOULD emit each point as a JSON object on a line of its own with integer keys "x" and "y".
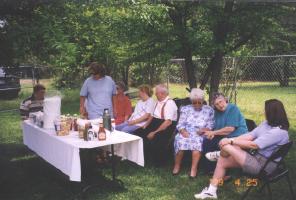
{"x": 125, "y": 127}
{"x": 192, "y": 143}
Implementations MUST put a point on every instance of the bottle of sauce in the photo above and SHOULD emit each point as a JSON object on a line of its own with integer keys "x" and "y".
{"x": 75, "y": 125}
{"x": 101, "y": 133}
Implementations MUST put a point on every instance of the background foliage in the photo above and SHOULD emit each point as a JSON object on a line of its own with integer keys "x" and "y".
{"x": 136, "y": 39}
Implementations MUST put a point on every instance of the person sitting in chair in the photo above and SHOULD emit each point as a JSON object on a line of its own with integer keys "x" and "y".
{"x": 33, "y": 103}
{"x": 122, "y": 104}
{"x": 158, "y": 130}
{"x": 194, "y": 120}
{"x": 265, "y": 139}
{"x": 143, "y": 110}
{"x": 229, "y": 122}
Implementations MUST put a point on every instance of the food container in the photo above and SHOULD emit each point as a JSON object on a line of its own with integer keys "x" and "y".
{"x": 65, "y": 127}
{"x": 80, "y": 131}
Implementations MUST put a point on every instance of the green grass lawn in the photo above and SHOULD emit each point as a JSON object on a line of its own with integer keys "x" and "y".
{"x": 26, "y": 176}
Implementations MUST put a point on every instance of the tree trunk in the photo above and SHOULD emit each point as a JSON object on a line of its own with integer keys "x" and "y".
{"x": 179, "y": 16}
{"x": 284, "y": 73}
{"x": 125, "y": 78}
{"x": 207, "y": 74}
{"x": 189, "y": 67}
{"x": 216, "y": 72}
{"x": 220, "y": 32}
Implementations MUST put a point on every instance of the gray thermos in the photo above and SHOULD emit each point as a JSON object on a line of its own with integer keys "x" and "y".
{"x": 107, "y": 119}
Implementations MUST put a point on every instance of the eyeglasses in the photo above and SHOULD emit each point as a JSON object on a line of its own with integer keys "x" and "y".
{"x": 197, "y": 102}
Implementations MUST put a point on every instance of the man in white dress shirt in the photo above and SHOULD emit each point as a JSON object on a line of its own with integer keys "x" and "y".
{"x": 158, "y": 130}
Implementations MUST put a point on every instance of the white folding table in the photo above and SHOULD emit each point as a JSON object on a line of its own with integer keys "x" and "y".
{"x": 63, "y": 151}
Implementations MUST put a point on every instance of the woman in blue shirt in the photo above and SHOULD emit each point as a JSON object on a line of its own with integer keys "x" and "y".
{"x": 97, "y": 93}
{"x": 229, "y": 122}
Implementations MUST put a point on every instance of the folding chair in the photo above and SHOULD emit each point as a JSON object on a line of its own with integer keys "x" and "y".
{"x": 280, "y": 172}
{"x": 251, "y": 125}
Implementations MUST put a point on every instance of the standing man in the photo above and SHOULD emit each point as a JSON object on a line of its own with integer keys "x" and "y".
{"x": 34, "y": 103}
{"x": 98, "y": 91}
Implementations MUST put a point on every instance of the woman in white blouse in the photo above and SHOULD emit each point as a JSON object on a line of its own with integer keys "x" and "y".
{"x": 142, "y": 112}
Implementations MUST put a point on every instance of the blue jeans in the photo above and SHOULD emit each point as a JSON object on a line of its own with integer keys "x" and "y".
{"x": 126, "y": 128}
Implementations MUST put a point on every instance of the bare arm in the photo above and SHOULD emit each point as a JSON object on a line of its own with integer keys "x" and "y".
{"x": 163, "y": 126}
{"x": 82, "y": 107}
{"x": 140, "y": 119}
{"x": 245, "y": 137}
{"x": 224, "y": 131}
{"x": 245, "y": 144}
{"x": 148, "y": 121}
{"x": 126, "y": 117}
{"x": 114, "y": 106}
{"x": 244, "y": 141}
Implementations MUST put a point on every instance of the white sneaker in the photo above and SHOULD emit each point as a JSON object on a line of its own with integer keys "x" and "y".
{"x": 213, "y": 156}
{"x": 205, "y": 194}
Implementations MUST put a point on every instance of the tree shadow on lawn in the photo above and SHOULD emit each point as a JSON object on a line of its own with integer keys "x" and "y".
{"x": 24, "y": 175}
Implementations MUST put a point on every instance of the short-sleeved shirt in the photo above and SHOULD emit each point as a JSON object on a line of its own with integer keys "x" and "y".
{"x": 170, "y": 109}
{"x": 141, "y": 109}
{"x": 30, "y": 105}
{"x": 123, "y": 108}
{"x": 267, "y": 138}
{"x": 231, "y": 117}
{"x": 99, "y": 95}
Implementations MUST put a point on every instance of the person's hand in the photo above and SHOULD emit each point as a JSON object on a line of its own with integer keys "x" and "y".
{"x": 185, "y": 134}
{"x": 210, "y": 134}
{"x": 202, "y": 131}
{"x": 131, "y": 122}
{"x": 151, "y": 135}
{"x": 224, "y": 142}
{"x": 114, "y": 114}
{"x": 144, "y": 126}
{"x": 83, "y": 112}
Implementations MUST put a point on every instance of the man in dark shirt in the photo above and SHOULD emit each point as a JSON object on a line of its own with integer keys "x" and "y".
{"x": 33, "y": 103}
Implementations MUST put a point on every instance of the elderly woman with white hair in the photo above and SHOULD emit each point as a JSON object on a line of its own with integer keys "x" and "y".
{"x": 194, "y": 120}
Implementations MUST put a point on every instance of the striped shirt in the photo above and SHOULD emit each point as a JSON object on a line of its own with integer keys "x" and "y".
{"x": 30, "y": 105}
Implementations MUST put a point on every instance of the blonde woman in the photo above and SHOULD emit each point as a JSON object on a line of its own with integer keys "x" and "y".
{"x": 142, "y": 112}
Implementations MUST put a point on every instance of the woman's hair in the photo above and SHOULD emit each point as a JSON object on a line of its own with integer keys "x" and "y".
{"x": 38, "y": 87}
{"x": 275, "y": 114}
{"x": 121, "y": 85}
{"x": 147, "y": 89}
{"x": 98, "y": 68}
{"x": 217, "y": 95}
{"x": 196, "y": 93}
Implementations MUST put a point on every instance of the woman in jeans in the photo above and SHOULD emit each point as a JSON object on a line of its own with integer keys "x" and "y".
{"x": 265, "y": 139}
{"x": 143, "y": 110}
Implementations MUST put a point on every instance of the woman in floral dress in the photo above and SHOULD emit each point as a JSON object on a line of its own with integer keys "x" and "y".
{"x": 194, "y": 120}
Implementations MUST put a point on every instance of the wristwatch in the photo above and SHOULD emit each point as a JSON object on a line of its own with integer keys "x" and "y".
{"x": 231, "y": 141}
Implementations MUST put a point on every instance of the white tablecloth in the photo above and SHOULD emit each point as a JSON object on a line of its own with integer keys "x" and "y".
{"x": 63, "y": 151}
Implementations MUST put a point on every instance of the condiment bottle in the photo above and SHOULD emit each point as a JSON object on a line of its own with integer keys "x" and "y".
{"x": 101, "y": 133}
{"x": 90, "y": 133}
{"x": 107, "y": 119}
